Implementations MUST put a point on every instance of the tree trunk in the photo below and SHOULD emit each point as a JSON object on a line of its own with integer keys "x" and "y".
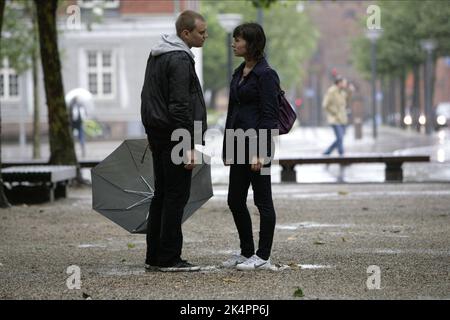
{"x": 62, "y": 149}
{"x": 212, "y": 104}
{"x": 36, "y": 111}
{"x": 415, "y": 112}
{"x": 433, "y": 85}
{"x": 385, "y": 101}
{"x": 388, "y": 99}
{"x": 402, "y": 98}
{"x": 4, "y": 203}
{"x": 319, "y": 99}
{"x": 393, "y": 100}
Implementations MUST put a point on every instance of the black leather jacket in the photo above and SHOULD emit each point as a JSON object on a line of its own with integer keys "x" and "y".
{"x": 171, "y": 96}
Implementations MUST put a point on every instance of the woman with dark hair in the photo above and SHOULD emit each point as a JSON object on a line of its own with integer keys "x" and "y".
{"x": 253, "y": 107}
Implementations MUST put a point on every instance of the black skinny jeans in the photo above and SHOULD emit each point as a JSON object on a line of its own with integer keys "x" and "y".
{"x": 241, "y": 176}
{"x": 172, "y": 190}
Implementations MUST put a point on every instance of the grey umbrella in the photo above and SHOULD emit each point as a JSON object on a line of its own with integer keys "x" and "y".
{"x": 122, "y": 186}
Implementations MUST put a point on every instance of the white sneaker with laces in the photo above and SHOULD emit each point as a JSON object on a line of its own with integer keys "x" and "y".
{"x": 254, "y": 263}
{"x": 233, "y": 261}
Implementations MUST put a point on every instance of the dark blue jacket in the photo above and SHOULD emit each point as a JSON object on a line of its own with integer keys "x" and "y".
{"x": 254, "y": 104}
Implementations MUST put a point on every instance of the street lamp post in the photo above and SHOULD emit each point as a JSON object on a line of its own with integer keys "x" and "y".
{"x": 373, "y": 35}
{"x": 428, "y": 45}
{"x": 229, "y": 21}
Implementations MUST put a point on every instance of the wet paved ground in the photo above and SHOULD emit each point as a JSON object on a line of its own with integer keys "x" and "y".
{"x": 328, "y": 234}
{"x": 306, "y": 141}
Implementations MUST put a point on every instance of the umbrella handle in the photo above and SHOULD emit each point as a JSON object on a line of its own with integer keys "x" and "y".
{"x": 145, "y": 151}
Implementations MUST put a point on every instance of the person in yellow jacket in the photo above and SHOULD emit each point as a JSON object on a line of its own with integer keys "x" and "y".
{"x": 335, "y": 105}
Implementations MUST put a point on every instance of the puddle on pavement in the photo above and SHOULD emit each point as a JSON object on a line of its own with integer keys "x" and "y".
{"x": 295, "y": 194}
{"x": 295, "y": 226}
{"x": 405, "y": 251}
{"x": 225, "y": 252}
{"x": 394, "y": 236}
{"x": 314, "y": 266}
{"x": 90, "y": 245}
{"x": 209, "y": 268}
{"x": 139, "y": 270}
{"x": 114, "y": 244}
{"x": 120, "y": 272}
{"x": 388, "y": 251}
{"x": 283, "y": 267}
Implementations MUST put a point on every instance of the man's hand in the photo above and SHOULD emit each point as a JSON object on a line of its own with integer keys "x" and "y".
{"x": 191, "y": 159}
{"x": 227, "y": 162}
{"x": 257, "y": 163}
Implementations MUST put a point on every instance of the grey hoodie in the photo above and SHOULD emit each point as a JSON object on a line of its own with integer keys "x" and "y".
{"x": 169, "y": 43}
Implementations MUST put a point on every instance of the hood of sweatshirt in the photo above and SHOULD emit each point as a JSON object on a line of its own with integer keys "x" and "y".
{"x": 169, "y": 43}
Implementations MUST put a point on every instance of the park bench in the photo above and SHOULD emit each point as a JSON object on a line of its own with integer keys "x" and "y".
{"x": 37, "y": 183}
{"x": 82, "y": 163}
{"x": 393, "y": 170}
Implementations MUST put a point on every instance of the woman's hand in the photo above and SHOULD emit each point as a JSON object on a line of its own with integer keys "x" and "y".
{"x": 191, "y": 159}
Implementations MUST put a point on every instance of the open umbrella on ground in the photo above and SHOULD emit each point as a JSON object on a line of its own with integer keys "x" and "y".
{"x": 122, "y": 186}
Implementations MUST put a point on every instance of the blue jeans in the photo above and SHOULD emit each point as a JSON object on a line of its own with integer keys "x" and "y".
{"x": 79, "y": 127}
{"x": 339, "y": 131}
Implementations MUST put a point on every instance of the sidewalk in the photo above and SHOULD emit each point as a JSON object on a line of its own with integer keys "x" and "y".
{"x": 306, "y": 141}
{"x": 300, "y": 141}
{"x": 329, "y": 235}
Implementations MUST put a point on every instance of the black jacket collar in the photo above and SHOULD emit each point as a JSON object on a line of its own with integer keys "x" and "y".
{"x": 258, "y": 69}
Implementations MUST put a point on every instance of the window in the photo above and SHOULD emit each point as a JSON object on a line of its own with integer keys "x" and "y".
{"x": 108, "y": 4}
{"x": 13, "y": 85}
{"x": 101, "y": 73}
{"x": 111, "y": 3}
{"x": 86, "y": 3}
{"x": 9, "y": 82}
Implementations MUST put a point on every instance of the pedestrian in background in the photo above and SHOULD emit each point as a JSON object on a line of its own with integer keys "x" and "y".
{"x": 335, "y": 104}
{"x": 78, "y": 115}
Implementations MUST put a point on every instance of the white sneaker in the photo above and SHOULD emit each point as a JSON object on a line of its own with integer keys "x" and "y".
{"x": 254, "y": 263}
{"x": 233, "y": 261}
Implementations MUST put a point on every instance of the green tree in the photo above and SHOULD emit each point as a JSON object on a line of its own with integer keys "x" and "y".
{"x": 292, "y": 39}
{"x": 290, "y": 35}
{"x": 214, "y": 54}
{"x": 22, "y": 50}
{"x": 263, "y": 3}
{"x": 399, "y": 45}
{"x": 62, "y": 149}
{"x": 405, "y": 24}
